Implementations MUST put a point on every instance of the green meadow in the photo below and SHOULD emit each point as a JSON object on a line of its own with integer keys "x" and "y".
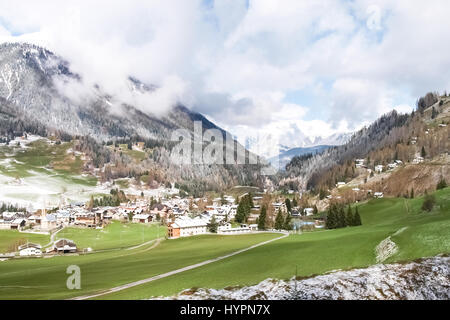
{"x": 11, "y": 239}
{"x": 416, "y": 233}
{"x": 115, "y": 235}
{"x": 45, "y": 278}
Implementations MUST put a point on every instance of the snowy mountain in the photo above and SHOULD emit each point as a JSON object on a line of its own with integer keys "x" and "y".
{"x": 307, "y": 145}
{"x": 286, "y": 155}
{"x": 37, "y": 85}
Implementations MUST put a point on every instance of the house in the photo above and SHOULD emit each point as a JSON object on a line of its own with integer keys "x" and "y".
{"x": 279, "y": 206}
{"x": 85, "y": 218}
{"x": 340, "y": 184}
{"x": 185, "y": 226}
{"x": 295, "y": 213}
{"x": 356, "y": 189}
{"x": 227, "y": 229}
{"x": 30, "y": 250}
{"x": 442, "y": 125}
{"x": 142, "y": 218}
{"x": 160, "y": 209}
{"x": 34, "y": 219}
{"x": 18, "y": 224}
{"x": 418, "y": 160}
{"x": 64, "y": 246}
{"x": 392, "y": 165}
{"x": 379, "y": 168}
{"x": 378, "y": 195}
{"x": 359, "y": 163}
{"x": 48, "y": 222}
{"x": 308, "y": 211}
{"x": 139, "y": 146}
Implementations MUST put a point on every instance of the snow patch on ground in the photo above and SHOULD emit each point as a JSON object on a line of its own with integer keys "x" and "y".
{"x": 426, "y": 279}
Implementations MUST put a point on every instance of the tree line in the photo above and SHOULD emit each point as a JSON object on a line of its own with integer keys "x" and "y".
{"x": 337, "y": 217}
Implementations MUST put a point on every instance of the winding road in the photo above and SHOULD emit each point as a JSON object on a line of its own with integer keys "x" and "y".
{"x": 170, "y": 273}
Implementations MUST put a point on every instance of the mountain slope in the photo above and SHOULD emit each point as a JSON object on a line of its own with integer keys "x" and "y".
{"x": 40, "y": 94}
{"x": 35, "y": 81}
{"x": 392, "y": 137}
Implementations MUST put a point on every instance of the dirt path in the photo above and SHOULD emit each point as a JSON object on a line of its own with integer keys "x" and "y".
{"x": 170, "y": 273}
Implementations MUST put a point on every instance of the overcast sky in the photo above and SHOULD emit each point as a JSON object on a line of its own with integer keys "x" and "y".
{"x": 289, "y": 67}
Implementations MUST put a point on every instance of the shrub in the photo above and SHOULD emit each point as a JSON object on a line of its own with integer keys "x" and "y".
{"x": 428, "y": 202}
{"x": 442, "y": 184}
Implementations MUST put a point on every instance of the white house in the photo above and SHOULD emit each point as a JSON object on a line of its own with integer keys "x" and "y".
{"x": 378, "y": 195}
{"x": 308, "y": 211}
{"x": 359, "y": 163}
{"x": 418, "y": 160}
{"x": 379, "y": 168}
{"x": 30, "y": 250}
{"x": 48, "y": 222}
{"x": 142, "y": 218}
{"x": 227, "y": 229}
{"x": 185, "y": 226}
{"x": 392, "y": 165}
{"x": 340, "y": 184}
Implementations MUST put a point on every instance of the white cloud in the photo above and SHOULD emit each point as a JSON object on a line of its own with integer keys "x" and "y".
{"x": 236, "y": 64}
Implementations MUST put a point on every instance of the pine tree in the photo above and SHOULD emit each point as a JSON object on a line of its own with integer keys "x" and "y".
{"x": 331, "y": 218}
{"x": 442, "y": 184}
{"x": 294, "y": 203}
{"x": 341, "y": 217}
{"x": 423, "y": 153}
{"x": 315, "y": 210}
{"x": 212, "y": 225}
{"x": 262, "y": 218}
{"x": 412, "y": 193}
{"x": 349, "y": 218}
{"x": 279, "y": 220}
{"x": 240, "y": 213}
{"x": 288, "y": 204}
{"x": 357, "y": 218}
{"x": 287, "y": 222}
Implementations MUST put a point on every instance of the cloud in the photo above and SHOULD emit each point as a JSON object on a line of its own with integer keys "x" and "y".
{"x": 236, "y": 62}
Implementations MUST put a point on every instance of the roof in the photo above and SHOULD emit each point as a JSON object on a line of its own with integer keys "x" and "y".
{"x": 141, "y": 216}
{"x": 29, "y": 245}
{"x": 158, "y": 206}
{"x": 62, "y": 243}
{"x": 186, "y": 222}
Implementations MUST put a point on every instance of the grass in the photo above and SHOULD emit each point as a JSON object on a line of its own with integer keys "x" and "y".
{"x": 46, "y": 278}
{"x": 136, "y": 155}
{"x": 115, "y": 235}
{"x": 43, "y": 158}
{"x": 417, "y": 234}
{"x": 11, "y": 239}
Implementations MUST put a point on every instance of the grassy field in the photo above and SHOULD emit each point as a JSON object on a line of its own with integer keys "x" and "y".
{"x": 115, "y": 235}
{"x": 416, "y": 233}
{"x": 11, "y": 239}
{"x": 46, "y": 278}
{"x": 42, "y": 170}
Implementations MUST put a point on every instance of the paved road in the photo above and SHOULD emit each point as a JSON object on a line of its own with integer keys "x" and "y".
{"x": 52, "y": 237}
{"x": 168, "y": 274}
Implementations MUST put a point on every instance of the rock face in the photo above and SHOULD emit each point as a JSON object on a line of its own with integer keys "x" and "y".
{"x": 426, "y": 279}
